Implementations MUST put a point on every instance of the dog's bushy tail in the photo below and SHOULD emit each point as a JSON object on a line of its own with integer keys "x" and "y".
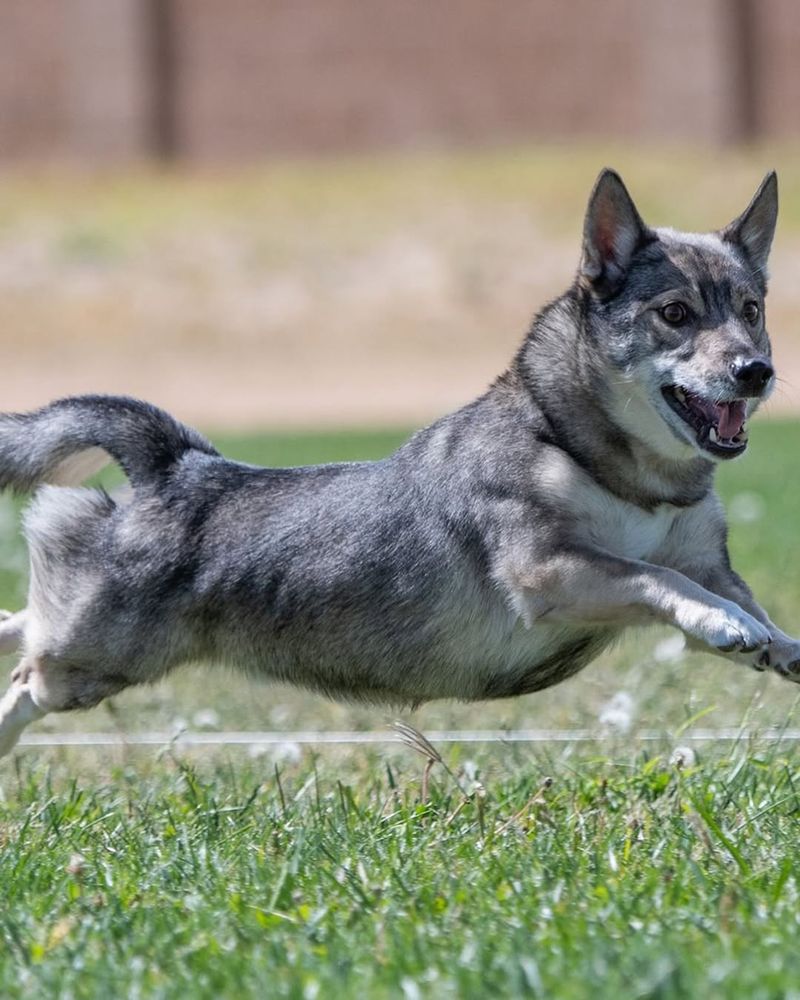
{"x": 68, "y": 440}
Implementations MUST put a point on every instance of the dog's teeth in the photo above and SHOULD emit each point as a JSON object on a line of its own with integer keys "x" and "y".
{"x": 712, "y": 434}
{"x": 680, "y": 395}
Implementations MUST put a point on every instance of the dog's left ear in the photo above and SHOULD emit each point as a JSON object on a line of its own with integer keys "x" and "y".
{"x": 755, "y": 227}
{"x": 612, "y": 232}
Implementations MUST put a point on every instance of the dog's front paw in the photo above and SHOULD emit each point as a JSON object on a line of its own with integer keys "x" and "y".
{"x": 729, "y": 629}
{"x": 783, "y": 656}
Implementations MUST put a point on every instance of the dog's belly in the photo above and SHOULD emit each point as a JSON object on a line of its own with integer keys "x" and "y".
{"x": 531, "y": 660}
{"x": 473, "y": 661}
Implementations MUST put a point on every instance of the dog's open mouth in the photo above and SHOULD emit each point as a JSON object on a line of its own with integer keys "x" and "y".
{"x": 719, "y": 427}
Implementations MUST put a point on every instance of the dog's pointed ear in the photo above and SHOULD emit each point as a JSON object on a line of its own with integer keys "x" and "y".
{"x": 755, "y": 227}
{"x": 612, "y": 232}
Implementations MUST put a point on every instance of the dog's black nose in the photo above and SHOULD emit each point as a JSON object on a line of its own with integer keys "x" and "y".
{"x": 752, "y": 374}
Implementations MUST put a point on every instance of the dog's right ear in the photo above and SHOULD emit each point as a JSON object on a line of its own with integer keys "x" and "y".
{"x": 612, "y": 231}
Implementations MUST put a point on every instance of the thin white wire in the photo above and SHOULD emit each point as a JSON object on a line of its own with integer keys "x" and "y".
{"x": 311, "y": 737}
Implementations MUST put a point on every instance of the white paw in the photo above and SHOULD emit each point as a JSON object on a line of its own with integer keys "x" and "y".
{"x": 731, "y": 630}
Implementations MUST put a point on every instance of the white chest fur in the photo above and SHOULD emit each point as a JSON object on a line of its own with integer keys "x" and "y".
{"x": 623, "y": 528}
{"x": 602, "y": 519}
{"x": 598, "y": 517}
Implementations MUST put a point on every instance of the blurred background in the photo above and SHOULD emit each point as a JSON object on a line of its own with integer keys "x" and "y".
{"x": 310, "y": 226}
{"x": 267, "y": 212}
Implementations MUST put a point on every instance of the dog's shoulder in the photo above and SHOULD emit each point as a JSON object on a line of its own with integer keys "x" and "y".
{"x": 490, "y": 443}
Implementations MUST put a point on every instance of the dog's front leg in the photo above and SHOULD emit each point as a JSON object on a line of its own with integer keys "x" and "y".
{"x": 783, "y": 654}
{"x": 590, "y": 586}
{"x": 697, "y": 547}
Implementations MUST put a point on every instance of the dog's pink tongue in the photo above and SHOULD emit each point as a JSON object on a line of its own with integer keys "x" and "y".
{"x": 731, "y": 417}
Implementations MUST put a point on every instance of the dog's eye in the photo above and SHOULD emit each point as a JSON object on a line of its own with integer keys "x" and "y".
{"x": 674, "y": 313}
{"x": 751, "y": 312}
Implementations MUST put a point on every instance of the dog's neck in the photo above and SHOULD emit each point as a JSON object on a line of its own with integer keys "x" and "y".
{"x": 556, "y": 368}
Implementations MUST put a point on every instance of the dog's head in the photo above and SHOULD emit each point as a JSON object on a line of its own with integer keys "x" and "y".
{"x": 679, "y": 320}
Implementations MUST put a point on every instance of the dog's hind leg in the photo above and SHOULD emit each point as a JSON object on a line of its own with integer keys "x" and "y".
{"x": 40, "y": 685}
{"x": 17, "y": 710}
{"x": 12, "y": 630}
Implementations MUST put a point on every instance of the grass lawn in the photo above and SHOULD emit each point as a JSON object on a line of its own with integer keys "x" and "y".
{"x": 605, "y": 870}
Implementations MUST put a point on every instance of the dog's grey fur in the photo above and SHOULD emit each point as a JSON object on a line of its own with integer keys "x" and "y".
{"x": 494, "y": 554}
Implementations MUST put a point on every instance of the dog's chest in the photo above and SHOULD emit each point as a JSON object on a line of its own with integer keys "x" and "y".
{"x": 625, "y": 529}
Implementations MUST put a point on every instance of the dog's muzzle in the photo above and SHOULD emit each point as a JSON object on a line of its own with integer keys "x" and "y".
{"x": 719, "y": 426}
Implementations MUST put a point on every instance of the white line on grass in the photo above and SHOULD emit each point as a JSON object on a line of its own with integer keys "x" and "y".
{"x": 311, "y": 737}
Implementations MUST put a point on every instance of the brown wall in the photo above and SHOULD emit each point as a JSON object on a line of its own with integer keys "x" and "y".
{"x": 778, "y": 67}
{"x": 207, "y": 80}
{"x": 328, "y": 74}
{"x": 74, "y": 79}
{"x": 31, "y": 72}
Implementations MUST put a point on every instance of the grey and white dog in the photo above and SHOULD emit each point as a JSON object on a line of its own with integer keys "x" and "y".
{"x": 495, "y": 553}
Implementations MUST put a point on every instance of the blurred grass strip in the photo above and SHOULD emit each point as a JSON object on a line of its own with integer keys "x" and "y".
{"x": 695, "y": 188}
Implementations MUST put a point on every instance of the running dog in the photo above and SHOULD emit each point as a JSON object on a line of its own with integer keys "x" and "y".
{"x": 496, "y": 553}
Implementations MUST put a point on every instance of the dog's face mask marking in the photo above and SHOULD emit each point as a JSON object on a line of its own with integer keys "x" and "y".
{"x": 680, "y": 319}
